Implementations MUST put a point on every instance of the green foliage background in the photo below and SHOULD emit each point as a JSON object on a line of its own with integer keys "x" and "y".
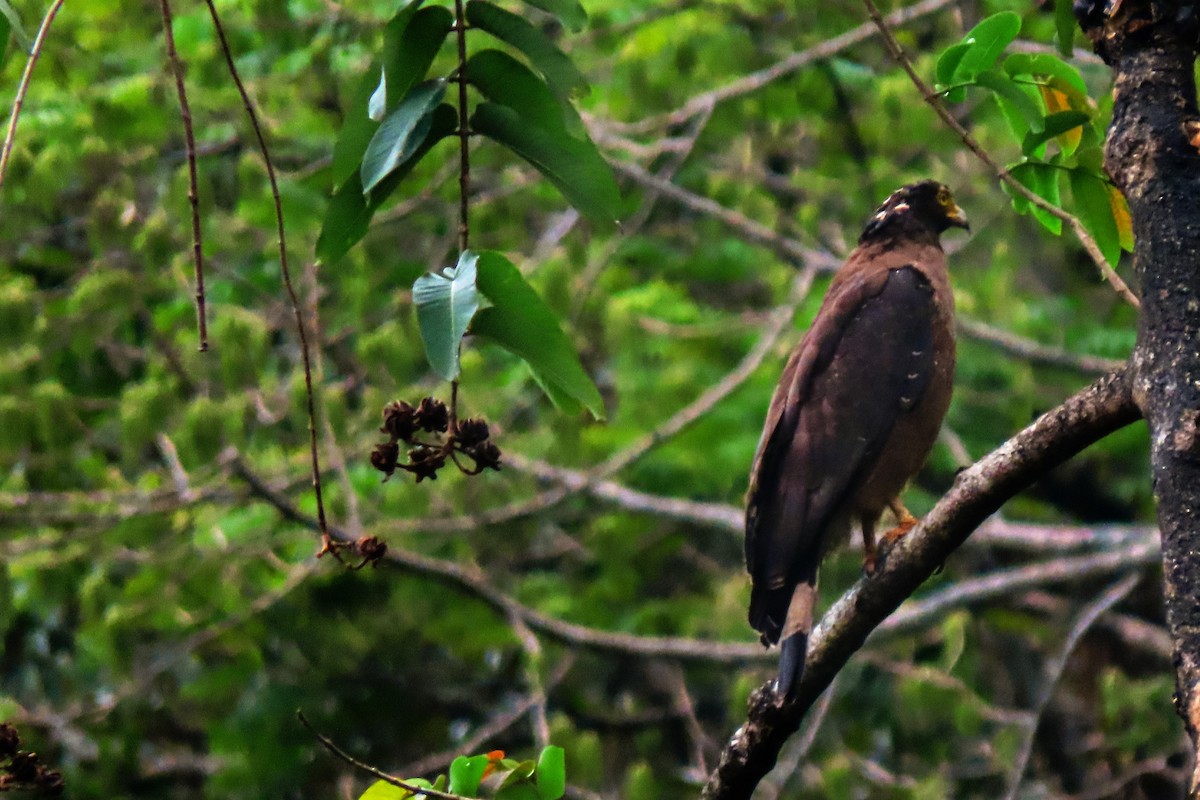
{"x": 158, "y": 636}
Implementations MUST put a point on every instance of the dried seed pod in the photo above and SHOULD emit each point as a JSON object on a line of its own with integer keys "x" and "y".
{"x": 399, "y": 420}
{"x": 432, "y": 415}
{"x": 472, "y": 432}
{"x": 385, "y": 457}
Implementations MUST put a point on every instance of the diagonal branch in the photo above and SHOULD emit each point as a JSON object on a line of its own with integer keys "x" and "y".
{"x": 1082, "y": 419}
{"x": 751, "y": 83}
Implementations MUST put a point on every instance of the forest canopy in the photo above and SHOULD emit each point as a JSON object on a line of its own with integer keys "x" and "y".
{"x": 652, "y": 224}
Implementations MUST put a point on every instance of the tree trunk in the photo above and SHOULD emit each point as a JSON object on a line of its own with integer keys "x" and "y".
{"x": 1152, "y": 156}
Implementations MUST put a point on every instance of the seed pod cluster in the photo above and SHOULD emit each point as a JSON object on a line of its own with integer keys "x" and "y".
{"x": 21, "y": 770}
{"x": 433, "y": 439}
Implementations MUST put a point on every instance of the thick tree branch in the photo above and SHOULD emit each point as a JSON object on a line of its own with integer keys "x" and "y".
{"x": 1088, "y": 416}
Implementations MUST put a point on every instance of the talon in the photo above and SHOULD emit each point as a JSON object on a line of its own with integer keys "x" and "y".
{"x": 905, "y": 522}
{"x": 870, "y": 564}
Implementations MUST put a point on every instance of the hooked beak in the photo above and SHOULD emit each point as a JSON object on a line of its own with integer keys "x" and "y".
{"x": 957, "y": 218}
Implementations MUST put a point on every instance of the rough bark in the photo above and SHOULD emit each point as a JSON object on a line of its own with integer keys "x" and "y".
{"x": 980, "y": 490}
{"x": 1152, "y": 156}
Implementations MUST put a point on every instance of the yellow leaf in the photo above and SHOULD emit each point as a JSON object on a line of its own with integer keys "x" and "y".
{"x": 1120, "y": 212}
{"x": 1056, "y": 101}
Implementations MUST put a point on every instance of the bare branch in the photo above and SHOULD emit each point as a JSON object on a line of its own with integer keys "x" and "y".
{"x": 1035, "y": 352}
{"x": 375, "y": 771}
{"x": 1054, "y": 670}
{"x": 23, "y": 87}
{"x": 752, "y": 231}
{"x": 189, "y": 138}
{"x": 751, "y": 83}
{"x": 306, "y": 356}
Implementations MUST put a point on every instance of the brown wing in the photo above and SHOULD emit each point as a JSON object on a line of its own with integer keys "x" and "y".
{"x": 865, "y": 361}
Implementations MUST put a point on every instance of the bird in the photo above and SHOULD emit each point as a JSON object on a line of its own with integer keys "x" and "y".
{"x": 856, "y": 412}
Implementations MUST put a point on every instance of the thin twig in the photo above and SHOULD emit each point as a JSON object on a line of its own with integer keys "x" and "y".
{"x": 23, "y": 87}
{"x": 491, "y": 729}
{"x": 785, "y": 67}
{"x": 934, "y": 101}
{"x": 323, "y": 526}
{"x": 533, "y": 665}
{"x": 189, "y": 138}
{"x": 1054, "y": 670}
{"x": 1035, "y": 352}
{"x": 464, "y": 133}
{"x": 375, "y": 771}
{"x": 751, "y": 230}
{"x": 1007, "y": 582}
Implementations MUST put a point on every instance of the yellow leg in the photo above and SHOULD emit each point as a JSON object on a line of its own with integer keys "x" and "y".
{"x": 905, "y": 522}
{"x": 869, "y": 549}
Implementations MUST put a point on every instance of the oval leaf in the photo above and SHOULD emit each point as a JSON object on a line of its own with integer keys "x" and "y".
{"x": 409, "y": 52}
{"x": 356, "y": 132}
{"x": 558, "y": 70}
{"x": 948, "y": 61}
{"x": 1066, "y": 125}
{"x": 1016, "y": 95}
{"x": 551, "y": 774}
{"x": 1043, "y": 180}
{"x": 348, "y": 215}
{"x": 1064, "y": 26}
{"x": 988, "y": 40}
{"x": 569, "y": 11}
{"x": 574, "y": 166}
{"x": 446, "y": 302}
{"x": 1095, "y": 211}
{"x": 401, "y": 134}
{"x": 466, "y": 774}
{"x": 1120, "y": 212}
{"x": 503, "y": 79}
{"x": 382, "y": 790}
{"x": 520, "y": 322}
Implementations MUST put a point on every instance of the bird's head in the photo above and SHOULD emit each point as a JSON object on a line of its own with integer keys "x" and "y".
{"x": 927, "y": 206}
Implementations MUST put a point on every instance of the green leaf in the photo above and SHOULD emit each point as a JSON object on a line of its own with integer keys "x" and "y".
{"x": 409, "y": 50}
{"x": 348, "y": 215}
{"x": 523, "y": 771}
{"x": 1091, "y": 158}
{"x": 445, "y": 303}
{"x": 519, "y": 321}
{"x": 1016, "y": 95}
{"x": 401, "y": 135}
{"x": 466, "y": 774}
{"x": 988, "y": 40}
{"x": 1064, "y": 27}
{"x": 356, "y": 133}
{"x": 518, "y": 791}
{"x": 551, "y": 774}
{"x": 574, "y": 166}
{"x": 1056, "y": 125}
{"x": 382, "y": 790}
{"x": 392, "y": 33}
{"x": 12, "y": 22}
{"x": 1043, "y": 180}
{"x": 948, "y": 61}
{"x": 503, "y": 79}
{"x": 569, "y": 11}
{"x": 1045, "y": 65}
{"x": 558, "y": 70}
{"x": 1094, "y": 210}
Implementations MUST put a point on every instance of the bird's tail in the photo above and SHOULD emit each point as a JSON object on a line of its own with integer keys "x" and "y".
{"x": 793, "y": 644}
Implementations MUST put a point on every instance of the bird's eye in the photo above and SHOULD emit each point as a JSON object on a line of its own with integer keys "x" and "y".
{"x": 943, "y": 196}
